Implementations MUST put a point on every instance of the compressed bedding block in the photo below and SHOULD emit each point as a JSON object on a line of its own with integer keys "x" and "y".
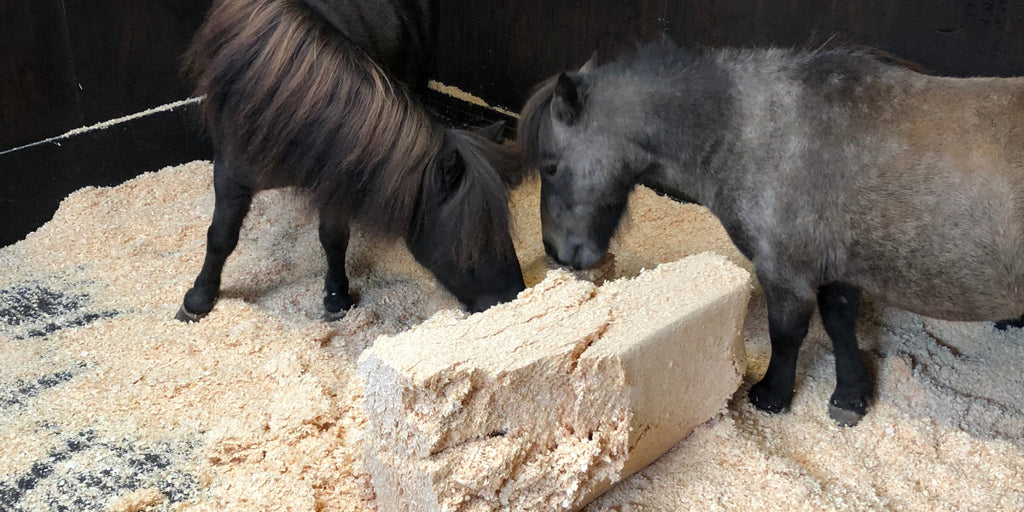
{"x": 543, "y": 403}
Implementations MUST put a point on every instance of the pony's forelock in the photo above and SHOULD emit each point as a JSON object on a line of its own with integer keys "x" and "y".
{"x": 535, "y": 119}
{"x": 478, "y": 208}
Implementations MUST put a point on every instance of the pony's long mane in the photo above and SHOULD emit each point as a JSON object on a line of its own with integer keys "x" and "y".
{"x": 477, "y": 206}
{"x": 297, "y": 104}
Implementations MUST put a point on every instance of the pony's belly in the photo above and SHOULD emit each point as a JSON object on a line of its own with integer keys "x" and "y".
{"x": 943, "y": 243}
{"x": 952, "y": 297}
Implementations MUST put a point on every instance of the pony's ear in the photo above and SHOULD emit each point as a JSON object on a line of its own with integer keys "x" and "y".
{"x": 493, "y": 132}
{"x": 451, "y": 169}
{"x": 567, "y": 102}
{"x": 590, "y": 64}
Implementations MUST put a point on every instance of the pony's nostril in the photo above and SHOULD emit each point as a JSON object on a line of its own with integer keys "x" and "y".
{"x": 585, "y": 256}
{"x": 563, "y": 254}
{"x": 577, "y": 257}
{"x": 570, "y": 254}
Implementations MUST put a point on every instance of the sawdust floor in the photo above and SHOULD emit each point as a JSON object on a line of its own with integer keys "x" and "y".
{"x": 106, "y": 403}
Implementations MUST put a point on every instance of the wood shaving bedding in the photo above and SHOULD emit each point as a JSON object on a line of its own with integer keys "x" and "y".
{"x": 107, "y": 403}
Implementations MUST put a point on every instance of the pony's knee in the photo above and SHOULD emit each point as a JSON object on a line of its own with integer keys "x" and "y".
{"x": 788, "y": 329}
{"x": 220, "y": 243}
{"x": 789, "y": 310}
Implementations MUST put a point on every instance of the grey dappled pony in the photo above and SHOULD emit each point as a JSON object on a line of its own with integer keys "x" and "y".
{"x": 832, "y": 171}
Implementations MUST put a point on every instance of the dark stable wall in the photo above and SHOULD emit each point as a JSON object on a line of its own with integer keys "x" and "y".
{"x": 68, "y": 64}
{"x": 499, "y": 50}
{"x": 64, "y": 65}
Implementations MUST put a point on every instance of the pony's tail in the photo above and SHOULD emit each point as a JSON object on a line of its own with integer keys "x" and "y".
{"x": 299, "y": 104}
{"x": 477, "y": 205}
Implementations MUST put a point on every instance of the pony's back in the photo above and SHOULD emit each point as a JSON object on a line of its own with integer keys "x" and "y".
{"x": 926, "y": 171}
{"x": 400, "y": 35}
{"x": 919, "y": 178}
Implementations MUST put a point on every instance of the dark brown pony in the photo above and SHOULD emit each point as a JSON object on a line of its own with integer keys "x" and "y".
{"x": 301, "y": 93}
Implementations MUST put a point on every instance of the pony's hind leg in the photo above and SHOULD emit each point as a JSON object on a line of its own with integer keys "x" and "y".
{"x": 231, "y": 204}
{"x": 334, "y": 234}
{"x": 1015, "y": 323}
{"x": 838, "y": 305}
{"x": 789, "y": 317}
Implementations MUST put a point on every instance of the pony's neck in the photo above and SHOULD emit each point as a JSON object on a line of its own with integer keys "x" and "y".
{"x": 685, "y": 131}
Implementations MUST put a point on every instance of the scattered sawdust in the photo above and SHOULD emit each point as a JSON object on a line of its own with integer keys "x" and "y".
{"x": 137, "y": 501}
{"x": 457, "y": 93}
{"x": 271, "y": 394}
{"x": 107, "y": 124}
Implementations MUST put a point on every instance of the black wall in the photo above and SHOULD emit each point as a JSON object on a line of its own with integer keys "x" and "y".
{"x": 66, "y": 64}
{"x": 499, "y": 50}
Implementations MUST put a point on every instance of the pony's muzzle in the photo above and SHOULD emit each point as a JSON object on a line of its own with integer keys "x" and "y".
{"x": 575, "y": 253}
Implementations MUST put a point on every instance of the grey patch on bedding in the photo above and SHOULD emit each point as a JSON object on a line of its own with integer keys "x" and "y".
{"x": 20, "y": 392}
{"x": 30, "y": 310}
{"x": 84, "y": 473}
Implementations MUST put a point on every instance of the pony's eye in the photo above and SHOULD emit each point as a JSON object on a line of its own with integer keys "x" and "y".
{"x": 548, "y": 170}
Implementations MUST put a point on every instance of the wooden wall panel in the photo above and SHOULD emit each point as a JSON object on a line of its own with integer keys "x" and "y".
{"x": 127, "y": 53}
{"x": 68, "y": 64}
{"x": 38, "y": 94}
{"x": 34, "y": 180}
{"x": 499, "y": 50}
{"x": 955, "y": 37}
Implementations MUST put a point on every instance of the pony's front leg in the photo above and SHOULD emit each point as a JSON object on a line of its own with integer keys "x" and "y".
{"x": 334, "y": 234}
{"x": 789, "y": 316}
{"x": 838, "y": 305}
{"x": 231, "y": 204}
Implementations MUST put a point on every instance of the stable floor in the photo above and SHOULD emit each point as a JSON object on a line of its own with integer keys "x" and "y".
{"x": 108, "y": 404}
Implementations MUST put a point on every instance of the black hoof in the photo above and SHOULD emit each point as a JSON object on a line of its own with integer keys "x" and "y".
{"x": 183, "y": 315}
{"x": 765, "y": 400}
{"x": 844, "y": 417}
{"x": 847, "y": 412}
{"x": 336, "y": 305}
{"x": 334, "y": 316}
{"x": 1015, "y": 323}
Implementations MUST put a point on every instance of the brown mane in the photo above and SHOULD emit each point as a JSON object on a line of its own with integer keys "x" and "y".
{"x": 299, "y": 105}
